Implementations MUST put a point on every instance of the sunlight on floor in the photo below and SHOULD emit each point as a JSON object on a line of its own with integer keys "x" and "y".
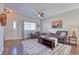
{"x": 14, "y": 51}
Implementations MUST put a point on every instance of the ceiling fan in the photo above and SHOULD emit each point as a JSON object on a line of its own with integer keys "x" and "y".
{"x": 41, "y": 13}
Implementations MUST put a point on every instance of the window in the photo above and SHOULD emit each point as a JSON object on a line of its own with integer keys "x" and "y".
{"x": 14, "y": 25}
{"x": 29, "y": 26}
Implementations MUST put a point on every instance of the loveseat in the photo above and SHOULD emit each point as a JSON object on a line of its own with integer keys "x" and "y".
{"x": 61, "y": 35}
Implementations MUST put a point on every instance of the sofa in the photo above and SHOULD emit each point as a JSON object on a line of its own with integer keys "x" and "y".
{"x": 35, "y": 35}
{"x": 61, "y": 35}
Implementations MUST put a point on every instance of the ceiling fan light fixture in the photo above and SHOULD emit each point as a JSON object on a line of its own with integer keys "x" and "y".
{"x": 38, "y": 15}
{"x": 42, "y": 14}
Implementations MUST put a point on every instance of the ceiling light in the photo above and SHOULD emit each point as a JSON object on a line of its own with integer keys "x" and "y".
{"x": 7, "y": 10}
{"x": 38, "y": 15}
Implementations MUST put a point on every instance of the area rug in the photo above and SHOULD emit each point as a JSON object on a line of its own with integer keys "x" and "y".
{"x": 32, "y": 47}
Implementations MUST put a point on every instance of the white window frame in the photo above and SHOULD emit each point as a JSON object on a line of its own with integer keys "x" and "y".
{"x": 29, "y": 26}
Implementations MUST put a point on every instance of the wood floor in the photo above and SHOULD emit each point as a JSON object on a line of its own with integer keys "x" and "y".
{"x": 32, "y": 47}
{"x": 75, "y": 50}
{"x": 15, "y": 47}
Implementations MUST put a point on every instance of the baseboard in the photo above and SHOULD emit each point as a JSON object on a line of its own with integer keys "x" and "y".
{"x": 13, "y": 38}
{"x": 1, "y": 50}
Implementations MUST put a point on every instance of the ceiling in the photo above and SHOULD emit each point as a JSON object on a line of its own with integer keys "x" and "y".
{"x": 50, "y": 9}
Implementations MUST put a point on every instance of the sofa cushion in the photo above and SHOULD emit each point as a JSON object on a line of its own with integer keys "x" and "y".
{"x": 56, "y": 40}
{"x": 59, "y": 32}
{"x": 62, "y": 34}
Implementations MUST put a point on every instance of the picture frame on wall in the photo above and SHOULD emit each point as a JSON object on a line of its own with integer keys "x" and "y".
{"x": 57, "y": 24}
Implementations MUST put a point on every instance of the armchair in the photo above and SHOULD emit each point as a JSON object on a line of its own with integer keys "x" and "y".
{"x": 61, "y": 35}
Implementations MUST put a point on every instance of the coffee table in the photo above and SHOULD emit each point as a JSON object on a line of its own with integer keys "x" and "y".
{"x": 47, "y": 42}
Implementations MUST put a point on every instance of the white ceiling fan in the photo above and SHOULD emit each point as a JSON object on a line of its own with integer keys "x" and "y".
{"x": 41, "y": 13}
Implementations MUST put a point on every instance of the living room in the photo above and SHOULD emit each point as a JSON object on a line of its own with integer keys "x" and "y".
{"x": 29, "y": 27}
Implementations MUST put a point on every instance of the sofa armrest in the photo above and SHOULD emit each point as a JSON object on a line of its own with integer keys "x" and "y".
{"x": 52, "y": 35}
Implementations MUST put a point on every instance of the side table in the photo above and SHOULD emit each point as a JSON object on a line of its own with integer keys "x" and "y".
{"x": 72, "y": 38}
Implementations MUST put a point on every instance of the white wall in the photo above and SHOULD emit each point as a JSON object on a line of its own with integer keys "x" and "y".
{"x": 69, "y": 18}
{"x": 17, "y": 34}
{"x": 1, "y": 38}
{"x": 9, "y": 32}
{"x": 1, "y": 31}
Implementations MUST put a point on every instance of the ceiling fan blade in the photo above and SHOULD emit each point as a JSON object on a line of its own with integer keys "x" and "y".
{"x": 42, "y": 14}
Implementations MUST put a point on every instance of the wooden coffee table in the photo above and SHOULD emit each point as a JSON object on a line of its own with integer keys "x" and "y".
{"x": 47, "y": 42}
